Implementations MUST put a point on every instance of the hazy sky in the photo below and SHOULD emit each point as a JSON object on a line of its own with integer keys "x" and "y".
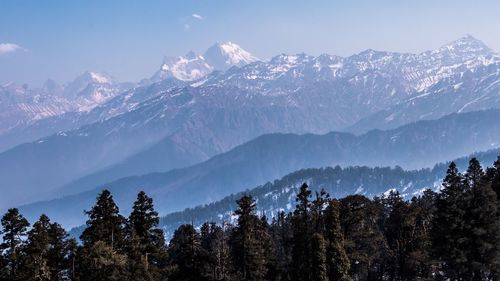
{"x": 128, "y": 39}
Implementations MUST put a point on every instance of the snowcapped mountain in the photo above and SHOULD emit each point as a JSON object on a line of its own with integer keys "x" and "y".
{"x": 31, "y": 113}
{"x": 220, "y": 56}
{"x": 174, "y": 123}
{"x": 19, "y": 104}
{"x": 92, "y": 89}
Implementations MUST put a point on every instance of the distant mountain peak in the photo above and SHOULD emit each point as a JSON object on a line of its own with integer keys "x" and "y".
{"x": 191, "y": 55}
{"x": 192, "y": 66}
{"x": 222, "y": 56}
{"x": 467, "y": 44}
{"x": 95, "y": 77}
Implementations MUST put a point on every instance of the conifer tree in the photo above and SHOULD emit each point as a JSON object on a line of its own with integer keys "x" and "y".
{"x": 495, "y": 177}
{"x": 59, "y": 252}
{"x": 102, "y": 256}
{"x": 337, "y": 260}
{"x": 449, "y": 233}
{"x": 145, "y": 242}
{"x": 247, "y": 248}
{"x": 214, "y": 242}
{"x": 474, "y": 174}
{"x": 105, "y": 223}
{"x": 37, "y": 251}
{"x": 302, "y": 235}
{"x": 365, "y": 243}
{"x": 266, "y": 242}
{"x": 99, "y": 261}
{"x": 317, "y": 210}
{"x": 187, "y": 255}
{"x": 14, "y": 227}
{"x": 282, "y": 235}
{"x": 482, "y": 225}
{"x": 419, "y": 259}
{"x": 318, "y": 263}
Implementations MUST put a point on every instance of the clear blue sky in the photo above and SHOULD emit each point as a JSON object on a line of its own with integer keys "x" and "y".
{"x": 128, "y": 39}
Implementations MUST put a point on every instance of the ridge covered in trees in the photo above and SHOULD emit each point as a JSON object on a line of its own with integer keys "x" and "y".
{"x": 451, "y": 235}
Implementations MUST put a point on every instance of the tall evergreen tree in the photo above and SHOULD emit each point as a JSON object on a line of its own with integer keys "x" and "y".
{"x": 495, "y": 179}
{"x": 474, "y": 175}
{"x": 317, "y": 209}
{"x": 214, "y": 242}
{"x": 105, "y": 223}
{"x": 337, "y": 259}
{"x": 145, "y": 242}
{"x": 318, "y": 263}
{"x": 365, "y": 244}
{"x": 247, "y": 248}
{"x": 302, "y": 233}
{"x": 449, "y": 233}
{"x": 99, "y": 261}
{"x": 37, "y": 250}
{"x": 187, "y": 255}
{"x": 282, "y": 235}
{"x": 59, "y": 252}
{"x": 102, "y": 256}
{"x": 482, "y": 225}
{"x": 14, "y": 227}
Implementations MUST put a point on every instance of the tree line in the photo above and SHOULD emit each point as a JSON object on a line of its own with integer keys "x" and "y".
{"x": 450, "y": 235}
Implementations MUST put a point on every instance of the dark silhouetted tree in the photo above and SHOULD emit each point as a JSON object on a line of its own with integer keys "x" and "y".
{"x": 14, "y": 227}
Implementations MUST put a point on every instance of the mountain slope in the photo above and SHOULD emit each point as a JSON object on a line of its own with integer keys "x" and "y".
{"x": 288, "y": 94}
{"x": 29, "y": 114}
{"x": 272, "y": 156}
{"x": 469, "y": 90}
{"x": 279, "y": 195}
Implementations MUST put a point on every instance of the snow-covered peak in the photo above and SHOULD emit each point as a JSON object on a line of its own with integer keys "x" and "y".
{"x": 101, "y": 78}
{"x": 93, "y": 77}
{"x": 81, "y": 82}
{"x": 192, "y": 66}
{"x": 222, "y": 56}
{"x": 185, "y": 68}
{"x": 466, "y": 45}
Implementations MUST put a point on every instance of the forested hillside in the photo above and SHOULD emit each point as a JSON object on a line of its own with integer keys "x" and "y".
{"x": 451, "y": 235}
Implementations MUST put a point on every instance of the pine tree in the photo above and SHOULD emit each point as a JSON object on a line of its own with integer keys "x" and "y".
{"x": 105, "y": 223}
{"x": 318, "y": 263}
{"x": 337, "y": 260}
{"x": 302, "y": 235}
{"x": 282, "y": 235}
{"x": 317, "y": 210}
{"x": 449, "y": 234}
{"x": 102, "y": 256}
{"x": 145, "y": 242}
{"x": 474, "y": 174}
{"x": 482, "y": 225}
{"x": 268, "y": 248}
{"x": 59, "y": 252}
{"x": 99, "y": 261}
{"x": 365, "y": 244}
{"x": 72, "y": 259}
{"x": 214, "y": 242}
{"x": 37, "y": 251}
{"x": 187, "y": 255}
{"x": 495, "y": 177}
{"x": 247, "y": 248}
{"x": 14, "y": 227}
{"x": 419, "y": 260}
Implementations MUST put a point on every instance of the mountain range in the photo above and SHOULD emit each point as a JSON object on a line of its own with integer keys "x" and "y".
{"x": 413, "y": 146}
{"x": 199, "y": 106}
